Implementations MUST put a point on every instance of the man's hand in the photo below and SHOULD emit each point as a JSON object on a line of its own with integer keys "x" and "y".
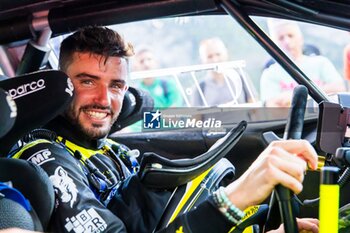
{"x": 305, "y": 225}
{"x": 282, "y": 162}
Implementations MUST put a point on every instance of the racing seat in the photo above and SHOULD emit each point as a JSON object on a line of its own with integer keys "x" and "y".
{"x": 39, "y": 97}
{"x": 159, "y": 172}
{"x": 192, "y": 180}
{"x": 26, "y": 193}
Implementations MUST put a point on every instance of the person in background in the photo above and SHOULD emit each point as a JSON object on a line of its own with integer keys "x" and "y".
{"x": 213, "y": 50}
{"x": 276, "y": 85}
{"x": 308, "y": 50}
{"x": 346, "y": 65}
{"x": 163, "y": 91}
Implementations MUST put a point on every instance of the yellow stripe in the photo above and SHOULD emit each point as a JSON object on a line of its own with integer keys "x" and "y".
{"x": 112, "y": 142}
{"x": 86, "y": 153}
{"x": 191, "y": 187}
{"x": 250, "y": 211}
{"x": 248, "y": 230}
{"x": 194, "y": 199}
{"x": 329, "y": 208}
{"x": 320, "y": 162}
{"x": 29, "y": 145}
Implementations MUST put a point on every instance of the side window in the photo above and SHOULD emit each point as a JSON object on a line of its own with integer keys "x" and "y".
{"x": 312, "y": 50}
{"x": 194, "y": 61}
{"x": 211, "y": 62}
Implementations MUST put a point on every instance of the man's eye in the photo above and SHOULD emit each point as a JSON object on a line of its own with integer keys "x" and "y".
{"x": 86, "y": 82}
{"x": 117, "y": 86}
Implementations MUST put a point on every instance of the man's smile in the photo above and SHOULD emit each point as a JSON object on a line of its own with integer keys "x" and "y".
{"x": 98, "y": 115}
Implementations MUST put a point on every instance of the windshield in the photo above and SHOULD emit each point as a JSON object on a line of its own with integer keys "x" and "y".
{"x": 211, "y": 61}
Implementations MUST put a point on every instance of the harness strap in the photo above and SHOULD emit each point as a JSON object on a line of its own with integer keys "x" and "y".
{"x": 18, "y": 154}
{"x": 102, "y": 184}
{"x": 72, "y": 147}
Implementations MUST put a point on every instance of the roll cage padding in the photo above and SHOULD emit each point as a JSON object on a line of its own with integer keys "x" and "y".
{"x": 159, "y": 172}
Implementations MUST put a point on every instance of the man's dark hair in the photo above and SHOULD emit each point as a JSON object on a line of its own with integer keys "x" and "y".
{"x": 94, "y": 40}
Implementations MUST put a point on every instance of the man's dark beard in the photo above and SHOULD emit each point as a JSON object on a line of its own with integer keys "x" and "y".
{"x": 90, "y": 133}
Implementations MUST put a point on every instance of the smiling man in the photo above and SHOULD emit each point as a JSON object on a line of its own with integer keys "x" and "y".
{"x": 99, "y": 92}
{"x": 99, "y": 81}
{"x": 97, "y": 189}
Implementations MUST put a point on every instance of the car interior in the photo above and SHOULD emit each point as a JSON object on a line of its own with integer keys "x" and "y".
{"x": 33, "y": 29}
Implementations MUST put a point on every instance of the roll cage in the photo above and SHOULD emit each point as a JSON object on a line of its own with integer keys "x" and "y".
{"x": 34, "y": 22}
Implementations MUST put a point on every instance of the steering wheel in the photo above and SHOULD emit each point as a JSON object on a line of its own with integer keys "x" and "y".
{"x": 293, "y": 130}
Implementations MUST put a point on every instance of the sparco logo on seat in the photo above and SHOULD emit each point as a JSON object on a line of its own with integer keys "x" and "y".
{"x": 27, "y": 89}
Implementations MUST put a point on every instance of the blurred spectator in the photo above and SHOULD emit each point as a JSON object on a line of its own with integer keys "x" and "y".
{"x": 164, "y": 92}
{"x": 308, "y": 50}
{"x": 276, "y": 85}
{"x": 346, "y": 59}
{"x": 220, "y": 86}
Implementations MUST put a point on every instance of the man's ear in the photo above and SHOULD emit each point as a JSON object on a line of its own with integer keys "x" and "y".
{"x": 126, "y": 87}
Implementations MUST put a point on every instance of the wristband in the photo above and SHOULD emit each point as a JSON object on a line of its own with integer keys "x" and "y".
{"x": 226, "y": 207}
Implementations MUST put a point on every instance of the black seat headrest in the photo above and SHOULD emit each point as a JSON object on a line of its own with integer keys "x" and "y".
{"x": 135, "y": 103}
{"x": 39, "y": 97}
{"x": 8, "y": 112}
{"x": 35, "y": 185}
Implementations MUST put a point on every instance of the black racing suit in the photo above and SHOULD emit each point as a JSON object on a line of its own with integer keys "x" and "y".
{"x": 96, "y": 192}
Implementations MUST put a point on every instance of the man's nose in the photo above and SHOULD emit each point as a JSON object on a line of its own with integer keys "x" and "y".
{"x": 102, "y": 96}
{"x": 216, "y": 58}
{"x": 286, "y": 41}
